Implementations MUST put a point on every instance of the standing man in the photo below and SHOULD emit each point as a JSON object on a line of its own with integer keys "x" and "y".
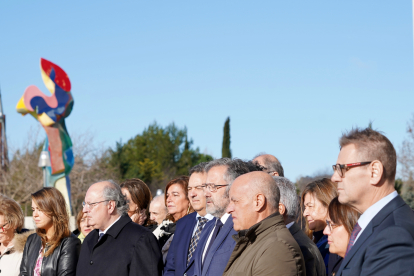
{"x": 179, "y": 258}
{"x": 117, "y": 246}
{"x": 264, "y": 244}
{"x": 382, "y": 242}
{"x": 217, "y": 243}
{"x": 270, "y": 164}
{"x": 288, "y": 208}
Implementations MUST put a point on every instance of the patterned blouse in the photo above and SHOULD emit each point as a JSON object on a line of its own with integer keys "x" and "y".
{"x": 38, "y": 266}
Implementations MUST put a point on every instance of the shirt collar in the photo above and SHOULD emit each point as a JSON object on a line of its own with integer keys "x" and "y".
{"x": 106, "y": 230}
{"x": 289, "y": 224}
{"x": 372, "y": 211}
{"x": 207, "y": 216}
{"x": 224, "y": 218}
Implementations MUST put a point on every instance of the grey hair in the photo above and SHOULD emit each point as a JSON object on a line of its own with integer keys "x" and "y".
{"x": 161, "y": 198}
{"x": 199, "y": 168}
{"x": 113, "y": 192}
{"x": 272, "y": 165}
{"x": 288, "y": 196}
{"x": 235, "y": 168}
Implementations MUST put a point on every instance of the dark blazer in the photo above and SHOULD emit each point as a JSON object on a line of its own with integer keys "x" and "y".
{"x": 61, "y": 262}
{"x": 126, "y": 249}
{"x": 219, "y": 254}
{"x": 176, "y": 261}
{"x": 386, "y": 245}
{"x": 314, "y": 263}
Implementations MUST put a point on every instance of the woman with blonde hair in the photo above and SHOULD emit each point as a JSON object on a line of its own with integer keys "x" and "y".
{"x": 53, "y": 249}
{"x": 315, "y": 200}
{"x": 12, "y": 238}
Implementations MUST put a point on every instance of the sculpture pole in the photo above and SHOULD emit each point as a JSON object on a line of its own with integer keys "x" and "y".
{"x": 57, "y": 157}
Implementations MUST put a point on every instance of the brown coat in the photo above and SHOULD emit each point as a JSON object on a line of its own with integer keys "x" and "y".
{"x": 267, "y": 248}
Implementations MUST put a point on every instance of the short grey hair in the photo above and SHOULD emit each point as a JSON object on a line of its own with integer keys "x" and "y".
{"x": 271, "y": 165}
{"x": 113, "y": 192}
{"x": 161, "y": 198}
{"x": 288, "y": 196}
{"x": 199, "y": 168}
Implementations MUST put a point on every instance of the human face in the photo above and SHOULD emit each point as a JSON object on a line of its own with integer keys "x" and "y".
{"x": 241, "y": 206}
{"x": 98, "y": 215}
{"x": 177, "y": 203}
{"x": 7, "y": 235}
{"x": 132, "y": 206}
{"x": 315, "y": 213}
{"x": 41, "y": 220}
{"x": 158, "y": 211}
{"x": 338, "y": 238}
{"x": 196, "y": 193}
{"x": 354, "y": 186}
{"x": 84, "y": 228}
{"x": 217, "y": 201}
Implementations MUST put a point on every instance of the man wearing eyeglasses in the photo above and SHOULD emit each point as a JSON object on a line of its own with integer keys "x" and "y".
{"x": 382, "y": 242}
{"x": 270, "y": 164}
{"x": 216, "y": 243}
{"x": 117, "y": 246}
{"x": 180, "y": 254}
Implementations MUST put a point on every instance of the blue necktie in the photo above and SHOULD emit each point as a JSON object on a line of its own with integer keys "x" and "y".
{"x": 216, "y": 231}
{"x": 100, "y": 236}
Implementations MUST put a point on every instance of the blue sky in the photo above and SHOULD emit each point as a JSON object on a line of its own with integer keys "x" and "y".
{"x": 292, "y": 75}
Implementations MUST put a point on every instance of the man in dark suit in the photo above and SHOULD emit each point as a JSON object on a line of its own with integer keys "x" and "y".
{"x": 183, "y": 245}
{"x": 382, "y": 242}
{"x": 216, "y": 244}
{"x": 288, "y": 208}
{"x": 117, "y": 246}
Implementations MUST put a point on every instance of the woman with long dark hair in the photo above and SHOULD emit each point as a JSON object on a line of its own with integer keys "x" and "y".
{"x": 53, "y": 249}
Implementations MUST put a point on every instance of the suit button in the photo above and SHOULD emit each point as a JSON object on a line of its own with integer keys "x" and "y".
{"x": 91, "y": 262}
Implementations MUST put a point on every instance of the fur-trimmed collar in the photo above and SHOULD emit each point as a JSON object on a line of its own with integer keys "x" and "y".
{"x": 19, "y": 241}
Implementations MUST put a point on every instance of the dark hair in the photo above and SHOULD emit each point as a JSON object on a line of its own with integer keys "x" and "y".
{"x": 199, "y": 168}
{"x": 52, "y": 203}
{"x": 372, "y": 145}
{"x": 79, "y": 218}
{"x": 12, "y": 212}
{"x": 183, "y": 182}
{"x": 342, "y": 214}
{"x": 271, "y": 164}
{"x": 323, "y": 190}
{"x": 140, "y": 195}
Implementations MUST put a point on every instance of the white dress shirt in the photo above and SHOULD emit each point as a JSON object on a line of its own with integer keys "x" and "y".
{"x": 223, "y": 220}
{"x": 372, "y": 211}
{"x": 207, "y": 216}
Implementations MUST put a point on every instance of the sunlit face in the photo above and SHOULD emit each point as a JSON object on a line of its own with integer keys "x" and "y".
{"x": 315, "y": 213}
{"x": 355, "y": 183}
{"x": 177, "y": 203}
{"x": 158, "y": 211}
{"x": 133, "y": 207}
{"x": 217, "y": 201}
{"x": 241, "y": 207}
{"x": 84, "y": 228}
{"x": 6, "y": 232}
{"x": 338, "y": 239}
{"x": 196, "y": 192}
{"x": 98, "y": 215}
{"x": 41, "y": 220}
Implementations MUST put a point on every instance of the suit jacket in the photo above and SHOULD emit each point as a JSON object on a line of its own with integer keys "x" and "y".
{"x": 126, "y": 249}
{"x": 386, "y": 245}
{"x": 219, "y": 253}
{"x": 176, "y": 262}
{"x": 314, "y": 263}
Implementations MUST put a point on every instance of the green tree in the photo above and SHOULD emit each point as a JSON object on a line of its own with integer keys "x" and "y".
{"x": 398, "y": 185}
{"x": 226, "y": 151}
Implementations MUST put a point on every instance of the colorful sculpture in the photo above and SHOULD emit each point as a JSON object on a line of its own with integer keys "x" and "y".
{"x": 57, "y": 156}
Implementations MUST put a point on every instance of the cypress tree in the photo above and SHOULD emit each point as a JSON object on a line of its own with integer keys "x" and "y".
{"x": 225, "y": 151}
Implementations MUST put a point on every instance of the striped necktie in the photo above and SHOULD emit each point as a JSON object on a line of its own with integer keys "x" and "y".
{"x": 354, "y": 234}
{"x": 196, "y": 237}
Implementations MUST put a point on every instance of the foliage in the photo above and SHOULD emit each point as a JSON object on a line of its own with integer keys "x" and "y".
{"x": 156, "y": 156}
{"x": 302, "y": 181}
{"x": 398, "y": 185}
{"x": 226, "y": 151}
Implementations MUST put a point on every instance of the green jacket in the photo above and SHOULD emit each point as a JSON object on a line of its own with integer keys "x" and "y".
{"x": 267, "y": 248}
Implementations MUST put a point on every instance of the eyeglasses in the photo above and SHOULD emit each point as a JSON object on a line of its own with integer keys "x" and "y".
{"x": 198, "y": 188}
{"x": 90, "y": 206}
{"x": 213, "y": 187}
{"x": 342, "y": 168}
{"x": 2, "y": 227}
{"x": 331, "y": 225}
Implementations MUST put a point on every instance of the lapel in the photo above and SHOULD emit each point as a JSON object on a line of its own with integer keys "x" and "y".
{"x": 224, "y": 232}
{"x": 370, "y": 229}
{"x": 198, "y": 254}
{"x": 186, "y": 232}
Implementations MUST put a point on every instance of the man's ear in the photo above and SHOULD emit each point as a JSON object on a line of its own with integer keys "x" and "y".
{"x": 111, "y": 206}
{"x": 259, "y": 202}
{"x": 282, "y": 209}
{"x": 376, "y": 170}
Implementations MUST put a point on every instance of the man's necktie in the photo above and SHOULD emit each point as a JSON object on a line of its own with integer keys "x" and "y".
{"x": 354, "y": 234}
{"x": 196, "y": 237}
{"x": 100, "y": 236}
{"x": 216, "y": 231}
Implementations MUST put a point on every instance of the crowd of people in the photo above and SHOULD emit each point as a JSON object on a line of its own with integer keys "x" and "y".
{"x": 228, "y": 217}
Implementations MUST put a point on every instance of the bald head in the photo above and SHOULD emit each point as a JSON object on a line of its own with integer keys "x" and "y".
{"x": 253, "y": 197}
{"x": 158, "y": 210}
{"x": 270, "y": 164}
